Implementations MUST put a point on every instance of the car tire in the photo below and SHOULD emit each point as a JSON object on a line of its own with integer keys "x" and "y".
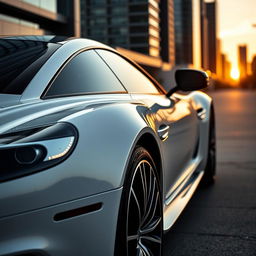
{"x": 210, "y": 169}
{"x": 140, "y": 222}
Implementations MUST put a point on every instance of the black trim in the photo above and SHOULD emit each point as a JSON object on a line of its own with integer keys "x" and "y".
{"x": 81, "y": 94}
{"x": 77, "y": 212}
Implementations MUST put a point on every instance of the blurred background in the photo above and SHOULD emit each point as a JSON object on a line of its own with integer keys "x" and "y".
{"x": 218, "y": 36}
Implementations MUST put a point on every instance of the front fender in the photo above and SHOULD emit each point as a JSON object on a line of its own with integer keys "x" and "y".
{"x": 107, "y": 136}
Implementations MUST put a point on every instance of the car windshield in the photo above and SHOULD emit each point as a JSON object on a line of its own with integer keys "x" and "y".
{"x": 20, "y": 60}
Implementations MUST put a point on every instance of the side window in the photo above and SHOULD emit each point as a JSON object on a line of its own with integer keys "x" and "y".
{"x": 133, "y": 79}
{"x": 85, "y": 73}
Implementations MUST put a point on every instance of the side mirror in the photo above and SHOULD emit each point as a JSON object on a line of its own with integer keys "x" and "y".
{"x": 189, "y": 80}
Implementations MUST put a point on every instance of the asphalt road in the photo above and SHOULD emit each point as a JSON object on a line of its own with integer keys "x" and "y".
{"x": 221, "y": 220}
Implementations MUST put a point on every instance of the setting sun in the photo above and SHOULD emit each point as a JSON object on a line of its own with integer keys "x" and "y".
{"x": 235, "y": 74}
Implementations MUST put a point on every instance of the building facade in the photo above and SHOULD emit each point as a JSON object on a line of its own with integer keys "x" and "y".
{"x": 204, "y": 36}
{"x": 242, "y": 61}
{"x": 34, "y": 17}
{"x": 133, "y": 25}
{"x": 253, "y": 69}
{"x": 140, "y": 29}
{"x": 225, "y": 68}
{"x": 212, "y": 36}
{"x": 191, "y": 33}
{"x": 167, "y": 38}
{"x": 183, "y": 32}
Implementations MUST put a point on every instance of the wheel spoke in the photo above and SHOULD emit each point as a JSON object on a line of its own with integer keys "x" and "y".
{"x": 150, "y": 184}
{"x": 139, "y": 252}
{"x": 132, "y": 237}
{"x": 153, "y": 239}
{"x": 145, "y": 250}
{"x": 144, "y": 237}
{"x": 143, "y": 181}
{"x": 150, "y": 228}
{"x": 153, "y": 213}
{"x": 152, "y": 195}
{"x": 152, "y": 210}
{"x": 137, "y": 203}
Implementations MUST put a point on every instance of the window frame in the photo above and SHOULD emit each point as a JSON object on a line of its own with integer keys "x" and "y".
{"x": 68, "y": 60}
{"x": 158, "y": 86}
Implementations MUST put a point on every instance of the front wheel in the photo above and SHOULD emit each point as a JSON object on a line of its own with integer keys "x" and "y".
{"x": 140, "y": 224}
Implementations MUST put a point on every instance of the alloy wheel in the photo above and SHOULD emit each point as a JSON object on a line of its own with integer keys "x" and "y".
{"x": 144, "y": 215}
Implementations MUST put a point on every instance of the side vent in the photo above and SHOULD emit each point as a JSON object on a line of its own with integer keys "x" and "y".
{"x": 77, "y": 212}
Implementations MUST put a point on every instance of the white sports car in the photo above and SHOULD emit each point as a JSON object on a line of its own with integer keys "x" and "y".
{"x": 96, "y": 157}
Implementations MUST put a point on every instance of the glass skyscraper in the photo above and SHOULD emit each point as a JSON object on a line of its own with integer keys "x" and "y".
{"x": 212, "y": 35}
{"x": 183, "y": 32}
{"x": 131, "y": 24}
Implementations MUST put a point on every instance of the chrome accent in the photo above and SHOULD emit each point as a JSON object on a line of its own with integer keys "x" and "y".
{"x": 201, "y": 113}
{"x": 163, "y": 131}
{"x": 173, "y": 210}
{"x": 175, "y": 190}
{"x": 56, "y": 148}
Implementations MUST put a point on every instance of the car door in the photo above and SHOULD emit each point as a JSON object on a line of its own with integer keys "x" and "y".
{"x": 174, "y": 120}
{"x": 177, "y": 127}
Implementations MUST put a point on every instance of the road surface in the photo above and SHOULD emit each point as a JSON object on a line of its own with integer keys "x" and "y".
{"x": 221, "y": 220}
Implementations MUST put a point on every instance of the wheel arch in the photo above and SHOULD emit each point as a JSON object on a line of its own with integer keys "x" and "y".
{"x": 148, "y": 141}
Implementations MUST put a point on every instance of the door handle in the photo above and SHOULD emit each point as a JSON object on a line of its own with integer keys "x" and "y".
{"x": 163, "y": 131}
{"x": 201, "y": 113}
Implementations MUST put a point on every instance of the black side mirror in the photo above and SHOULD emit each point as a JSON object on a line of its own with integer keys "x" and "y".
{"x": 189, "y": 80}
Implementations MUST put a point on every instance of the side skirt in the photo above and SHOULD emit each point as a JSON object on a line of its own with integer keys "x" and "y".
{"x": 175, "y": 204}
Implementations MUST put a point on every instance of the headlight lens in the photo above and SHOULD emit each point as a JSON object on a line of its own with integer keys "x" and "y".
{"x": 26, "y": 152}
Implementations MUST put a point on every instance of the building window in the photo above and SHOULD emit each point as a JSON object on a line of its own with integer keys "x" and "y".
{"x": 49, "y": 5}
{"x": 118, "y": 10}
{"x": 97, "y": 31}
{"x": 118, "y": 31}
{"x": 118, "y": 41}
{"x": 139, "y": 29}
{"x": 119, "y": 20}
{"x": 96, "y": 11}
{"x": 97, "y": 2}
{"x": 139, "y": 19}
{"x": 139, "y": 40}
{"x": 97, "y": 21}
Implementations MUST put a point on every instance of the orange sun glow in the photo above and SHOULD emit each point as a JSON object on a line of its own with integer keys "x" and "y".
{"x": 235, "y": 74}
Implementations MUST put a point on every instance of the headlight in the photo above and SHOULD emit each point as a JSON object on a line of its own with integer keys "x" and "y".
{"x": 26, "y": 152}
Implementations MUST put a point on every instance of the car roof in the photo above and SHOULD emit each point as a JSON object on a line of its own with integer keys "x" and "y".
{"x": 84, "y": 42}
{"x": 68, "y": 47}
{"x": 43, "y": 38}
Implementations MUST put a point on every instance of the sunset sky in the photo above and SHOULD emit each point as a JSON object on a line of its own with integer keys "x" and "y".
{"x": 236, "y": 18}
